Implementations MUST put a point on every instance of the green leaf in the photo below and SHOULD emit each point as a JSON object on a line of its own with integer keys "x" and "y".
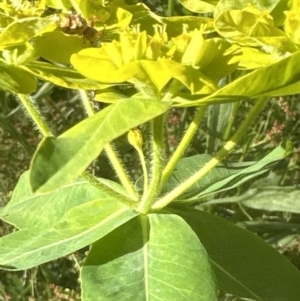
{"x": 57, "y": 47}
{"x": 58, "y": 161}
{"x": 281, "y": 78}
{"x": 154, "y": 257}
{"x": 186, "y": 167}
{"x": 253, "y": 58}
{"x": 274, "y": 198}
{"x": 218, "y": 58}
{"x": 248, "y": 173}
{"x": 14, "y": 79}
{"x": 34, "y": 210}
{"x": 79, "y": 227}
{"x": 21, "y": 31}
{"x": 62, "y": 76}
{"x": 223, "y": 177}
{"x": 244, "y": 264}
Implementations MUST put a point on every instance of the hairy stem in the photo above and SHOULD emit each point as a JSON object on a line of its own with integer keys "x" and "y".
{"x": 35, "y": 115}
{"x": 149, "y": 196}
{"x": 111, "y": 153}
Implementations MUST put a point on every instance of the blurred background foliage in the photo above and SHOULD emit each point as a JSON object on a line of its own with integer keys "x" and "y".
{"x": 62, "y": 108}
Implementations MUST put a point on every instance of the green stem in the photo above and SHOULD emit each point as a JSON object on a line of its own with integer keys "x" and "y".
{"x": 120, "y": 171}
{"x": 111, "y": 153}
{"x": 86, "y": 102}
{"x": 144, "y": 167}
{"x": 171, "y": 5}
{"x": 149, "y": 196}
{"x": 183, "y": 145}
{"x": 34, "y": 113}
{"x": 257, "y": 108}
{"x": 231, "y": 119}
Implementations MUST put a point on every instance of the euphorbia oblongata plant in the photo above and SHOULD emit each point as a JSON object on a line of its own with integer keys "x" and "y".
{"x": 147, "y": 241}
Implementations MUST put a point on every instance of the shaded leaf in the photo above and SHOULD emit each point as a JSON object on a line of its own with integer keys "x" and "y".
{"x": 186, "y": 167}
{"x": 57, "y": 47}
{"x": 15, "y": 79}
{"x": 244, "y": 264}
{"x": 284, "y": 199}
{"x": 154, "y": 257}
{"x": 58, "y": 161}
{"x": 250, "y": 172}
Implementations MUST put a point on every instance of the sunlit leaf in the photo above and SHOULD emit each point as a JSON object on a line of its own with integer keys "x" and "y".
{"x": 78, "y": 228}
{"x": 62, "y": 76}
{"x": 22, "y": 30}
{"x": 103, "y": 68}
{"x": 281, "y": 78}
{"x": 251, "y": 27}
{"x": 197, "y": 6}
{"x": 34, "y": 210}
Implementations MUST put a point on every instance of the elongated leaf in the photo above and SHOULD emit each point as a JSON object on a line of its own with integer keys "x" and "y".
{"x": 284, "y": 199}
{"x": 281, "y": 78}
{"x": 244, "y": 264}
{"x": 78, "y": 228}
{"x": 260, "y": 167}
{"x": 186, "y": 167}
{"x": 58, "y": 161}
{"x": 34, "y": 210}
{"x": 157, "y": 257}
{"x": 223, "y": 177}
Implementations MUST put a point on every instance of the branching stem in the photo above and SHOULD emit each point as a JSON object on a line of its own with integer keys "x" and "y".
{"x": 257, "y": 108}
